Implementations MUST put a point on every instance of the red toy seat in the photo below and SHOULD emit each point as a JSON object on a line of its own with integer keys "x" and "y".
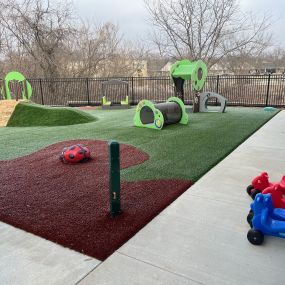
{"x": 261, "y": 181}
{"x": 282, "y": 184}
{"x": 277, "y": 193}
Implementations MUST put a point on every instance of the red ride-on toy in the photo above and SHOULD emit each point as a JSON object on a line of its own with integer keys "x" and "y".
{"x": 277, "y": 192}
{"x": 74, "y": 154}
{"x": 258, "y": 184}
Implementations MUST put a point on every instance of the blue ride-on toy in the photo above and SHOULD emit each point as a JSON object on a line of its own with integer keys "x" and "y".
{"x": 267, "y": 220}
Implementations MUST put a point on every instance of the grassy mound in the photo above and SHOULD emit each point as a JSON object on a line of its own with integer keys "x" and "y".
{"x": 32, "y": 115}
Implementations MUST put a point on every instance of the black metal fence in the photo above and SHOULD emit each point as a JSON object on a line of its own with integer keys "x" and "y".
{"x": 240, "y": 90}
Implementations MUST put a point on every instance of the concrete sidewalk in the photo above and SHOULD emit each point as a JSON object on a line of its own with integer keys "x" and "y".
{"x": 201, "y": 237}
{"x": 26, "y": 259}
{"x": 198, "y": 239}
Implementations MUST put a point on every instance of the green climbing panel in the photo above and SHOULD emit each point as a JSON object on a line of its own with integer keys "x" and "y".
{"x": 195, "y": 71}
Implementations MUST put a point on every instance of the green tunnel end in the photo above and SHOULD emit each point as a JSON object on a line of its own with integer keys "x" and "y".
{"x": 158, "y": 119}
{"x": 184, "y": 118}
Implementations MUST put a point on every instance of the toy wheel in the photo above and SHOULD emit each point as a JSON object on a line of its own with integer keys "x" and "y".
{"x": 250, "y": 217}
{"x": 254, "y": 192}
{"x": 248, "y": 189}
{"x": 255, "y": 237}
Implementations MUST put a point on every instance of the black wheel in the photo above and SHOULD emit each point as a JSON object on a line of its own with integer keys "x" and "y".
{"x": 248, "y": 189}
{"x": 255, "y": 237}
{"x": 254, "y": 192}
{"x": 250, "y": 217}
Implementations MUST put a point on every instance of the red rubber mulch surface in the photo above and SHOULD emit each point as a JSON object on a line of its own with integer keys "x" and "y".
{"x": 69, "y": 204}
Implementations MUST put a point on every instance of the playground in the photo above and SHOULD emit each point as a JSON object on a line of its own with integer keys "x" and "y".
{"x": 165, "y": 148}
{"x": 156, "y": 166}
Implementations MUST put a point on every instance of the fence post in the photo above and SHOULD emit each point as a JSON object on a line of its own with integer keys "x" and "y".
{"x": 25, "y": 86}
{"x": 132, "y": 94}
{"x": 217, "y": 87}
{"x": 4, "y": 89}
{"x": 42, "y": 95}
{"x": 268, "y": 88}
{"x": 114, "y": 178}
{"x": 18, "y": 89}
{"x": 87, "y": 90}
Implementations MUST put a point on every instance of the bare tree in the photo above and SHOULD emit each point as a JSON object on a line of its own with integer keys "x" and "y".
{"x": 206, "y": 29}
{"x": 39, "y": 29}
{"x": 100, "y": 51}
{"x": 2, "y": 39}
{"x": 92, "y": 47}
{"x": 44, "y": 38}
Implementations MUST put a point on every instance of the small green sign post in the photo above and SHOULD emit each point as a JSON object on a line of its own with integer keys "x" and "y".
{"x": 114, "y": 178}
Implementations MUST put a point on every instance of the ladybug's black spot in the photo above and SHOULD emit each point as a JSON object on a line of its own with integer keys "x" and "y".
{"x": 73, "y": 147}
{"x": 71, "y": 156}
{"x": 81, "y": 151}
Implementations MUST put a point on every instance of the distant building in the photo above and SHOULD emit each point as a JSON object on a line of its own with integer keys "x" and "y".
{"x": 158, "y": 67}
{"x": 246, "y": 68}
{"x": 269, "y": 68}
{"x": 219, "y": 69}
{"x": 140, "y": 68}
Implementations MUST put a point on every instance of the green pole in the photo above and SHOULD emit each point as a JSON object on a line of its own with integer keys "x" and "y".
{"x": 114, "y": 178}
{"x": 25, "y": 96}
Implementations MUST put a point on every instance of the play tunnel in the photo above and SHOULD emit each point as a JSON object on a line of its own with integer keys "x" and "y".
{"x": 155, "y": 116}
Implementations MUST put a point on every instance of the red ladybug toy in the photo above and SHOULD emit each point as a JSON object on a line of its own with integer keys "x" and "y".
{"x": 74, "y": 154}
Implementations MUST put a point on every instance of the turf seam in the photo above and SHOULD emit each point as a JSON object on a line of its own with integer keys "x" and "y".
{"x": 161, "y": 268}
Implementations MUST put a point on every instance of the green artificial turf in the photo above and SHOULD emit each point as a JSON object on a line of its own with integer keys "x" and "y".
{"x": 31, "y": 115}
{"x": 178, "y": 151}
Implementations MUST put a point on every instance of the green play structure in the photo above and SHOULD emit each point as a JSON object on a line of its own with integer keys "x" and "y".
{"x": 155, "y": 116}
{"x": 19, "y": 77}
{"x": 182, "y": 70}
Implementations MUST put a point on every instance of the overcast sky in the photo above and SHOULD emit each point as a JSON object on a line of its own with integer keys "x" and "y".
{"x": 132, "y": 16}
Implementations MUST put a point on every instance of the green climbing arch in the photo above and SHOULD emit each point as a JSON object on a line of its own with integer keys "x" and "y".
{"x": 19, "y": 77}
